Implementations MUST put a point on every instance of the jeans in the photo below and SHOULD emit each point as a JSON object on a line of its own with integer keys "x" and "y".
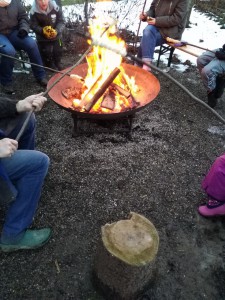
{"x": 209, "y": 68}
{"x": 13, "y": 43}
{"x": 151, "y": 38}
{"x": 26, "y": 169}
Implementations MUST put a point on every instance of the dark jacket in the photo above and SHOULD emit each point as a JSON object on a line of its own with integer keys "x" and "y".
{"x": 170, "y": 16}
{"x": 53, "y": 17}
{"x": 7, "y": 190}
{"x": 13, "y": 17}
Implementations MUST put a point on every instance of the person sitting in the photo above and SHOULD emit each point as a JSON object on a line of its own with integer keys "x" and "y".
{"x": 22, "y": 173}
{"x": 165, "y": 19}
{"x": 211, "y": 66}
{"x": 46, "y": 20}
{"x": 214, "y": 186}
{"x": 14, "y": 29}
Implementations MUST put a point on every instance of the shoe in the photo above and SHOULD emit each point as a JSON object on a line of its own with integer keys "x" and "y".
{"x": 220, "y": 85}
{"x": 212, "y": 100}
{"x": 43, "y": 82}
{"x": 32, "y": 239}
{"x": 212, "y": 209}
{"x": 59, "y": 66}
{"x": 8, "y": 89}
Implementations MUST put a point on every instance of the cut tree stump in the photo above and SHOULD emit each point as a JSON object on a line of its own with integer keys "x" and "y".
{"x": 125, "y": 261}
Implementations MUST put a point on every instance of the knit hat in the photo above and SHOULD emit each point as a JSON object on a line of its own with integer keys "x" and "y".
{"x": 4, "y": 3}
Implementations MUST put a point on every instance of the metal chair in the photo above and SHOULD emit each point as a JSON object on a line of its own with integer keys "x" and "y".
{"x": 162, "y": 50}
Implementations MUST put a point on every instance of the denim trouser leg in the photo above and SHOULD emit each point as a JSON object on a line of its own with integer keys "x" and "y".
{"x": 151, "y": 38}
{"x": 209, "y": 68}
{"x": 29, "y": 45}
{"x": 7, "y": 64}
{"x": 27, "y": 170}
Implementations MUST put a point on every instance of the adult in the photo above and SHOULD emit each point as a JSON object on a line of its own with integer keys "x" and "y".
{"x": 211, "y": 66}
{"x": 46, "y": 20}
{"x": 22, "y": 173}
{"x": 214, "y": 186}
{"x": 14, "y": 29}
{"x": 165, "y": 19}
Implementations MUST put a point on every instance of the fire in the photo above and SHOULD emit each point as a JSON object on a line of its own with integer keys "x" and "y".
{"x": 102, "y": 63}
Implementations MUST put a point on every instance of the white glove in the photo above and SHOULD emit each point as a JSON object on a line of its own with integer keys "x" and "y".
{"x": 35, "y": 102}
{"x": 7, "y": 147}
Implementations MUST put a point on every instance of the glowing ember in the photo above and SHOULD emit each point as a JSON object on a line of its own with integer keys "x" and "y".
{"x": 102, "y": 63}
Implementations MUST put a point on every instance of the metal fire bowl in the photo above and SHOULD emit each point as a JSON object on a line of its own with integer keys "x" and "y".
{"x": 148, "y": 84}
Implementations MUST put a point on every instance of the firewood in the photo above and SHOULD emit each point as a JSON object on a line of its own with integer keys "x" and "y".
{"x": 108, "y": 100}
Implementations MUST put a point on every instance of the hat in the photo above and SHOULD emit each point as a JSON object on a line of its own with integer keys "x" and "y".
{"x": 4, "y": 3}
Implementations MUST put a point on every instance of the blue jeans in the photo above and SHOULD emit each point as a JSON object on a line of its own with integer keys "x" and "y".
{"x": 209, "y": 68}
{"x": 27, "y": 170}
{"x": 13, "y": 43}
{"x": 151, "y": 38}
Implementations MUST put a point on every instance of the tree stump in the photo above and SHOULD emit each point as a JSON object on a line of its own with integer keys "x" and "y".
{"x": 124, "y": 264}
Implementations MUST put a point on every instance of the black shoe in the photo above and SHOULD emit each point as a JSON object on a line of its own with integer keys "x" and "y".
{"x": 220, "y": 85}
{"x": 59, "y": 66}
{"x": 212, "y": 100}
{"x": 43, "y": 82}
{"x": 8, "y": 89}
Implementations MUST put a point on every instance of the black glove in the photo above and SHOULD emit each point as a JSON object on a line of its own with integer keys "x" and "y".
{"x": 220, "y": 54}
{"x": 22, "y": 33}
{"x": 224, "y": 47}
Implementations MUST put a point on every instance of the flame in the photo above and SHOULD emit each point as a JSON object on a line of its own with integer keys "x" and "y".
{"x": 101, "y": 63}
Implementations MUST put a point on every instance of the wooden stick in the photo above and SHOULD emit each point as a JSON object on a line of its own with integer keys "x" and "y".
{"x": 102, "y": 89}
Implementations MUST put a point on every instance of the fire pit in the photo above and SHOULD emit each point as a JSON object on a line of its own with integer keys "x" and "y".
{"x": 148, "y": 88}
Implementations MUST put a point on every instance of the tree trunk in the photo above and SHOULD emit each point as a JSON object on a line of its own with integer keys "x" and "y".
{"x": 125, "y": 262}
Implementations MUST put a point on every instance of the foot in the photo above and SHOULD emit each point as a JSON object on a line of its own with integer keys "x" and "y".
{"x": 212, "y": 100}
{"x": 220, "y": 85}
{"x": 32, "y": 239}
{"x": 8, "y": 89}
{"x": 146, "y": 64}
{"x": 59, "y": 66}
{"x": 43, "y": 82}
{"x": 212, "y": 208}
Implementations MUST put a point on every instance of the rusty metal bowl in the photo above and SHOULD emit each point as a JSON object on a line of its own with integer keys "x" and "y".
{"x": 148, "y": 84}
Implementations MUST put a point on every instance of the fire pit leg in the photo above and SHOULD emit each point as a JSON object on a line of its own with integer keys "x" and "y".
{"x": 130, "y": 121}
{"x": 75, "y": 125}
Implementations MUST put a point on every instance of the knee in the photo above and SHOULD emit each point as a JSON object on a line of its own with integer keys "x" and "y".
{"x": 8, "y": 50}
{"x": 148, "y": 31}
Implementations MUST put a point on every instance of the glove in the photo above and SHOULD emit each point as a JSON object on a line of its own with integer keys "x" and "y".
{"x": 22, "y": 33}
{"x": 49, "y": 32}
{"x": 221, "y": 53}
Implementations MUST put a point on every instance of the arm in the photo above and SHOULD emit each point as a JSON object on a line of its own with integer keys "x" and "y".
{"x": 23, "y": 21}
{"x": 60, "y": 21}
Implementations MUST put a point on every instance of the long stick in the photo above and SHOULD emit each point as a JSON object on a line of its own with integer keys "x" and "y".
{"x": 136, "y": 37}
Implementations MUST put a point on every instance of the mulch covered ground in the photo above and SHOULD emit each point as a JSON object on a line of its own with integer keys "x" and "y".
{"x": 103, "y": 174}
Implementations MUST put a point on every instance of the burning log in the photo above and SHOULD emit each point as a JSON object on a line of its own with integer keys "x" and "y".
{"x": 89, "y": 103}
{"x": 125, "y": 260}
{"x": 126, "y": 94}
{"x": 109, "y": 101}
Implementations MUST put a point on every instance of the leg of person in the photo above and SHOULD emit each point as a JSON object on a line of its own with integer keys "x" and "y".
{"x": 209, "y": 75}
{"x": 214, "y": 186}
{"x": 46, "y": 51}
{"x": 151, "y": 38}
{"x": 27, "y": 170}
{"x": 29, "y": 45}
{"x": 12, "y": 126}
{"x": 6, "y": 65}
{"x": 57, "y": 54}
{"x": 204, "y": 59}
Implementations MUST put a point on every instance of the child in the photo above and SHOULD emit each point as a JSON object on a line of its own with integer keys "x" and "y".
{"x": 46, "y": 20}
{"x": 214, "y": 186}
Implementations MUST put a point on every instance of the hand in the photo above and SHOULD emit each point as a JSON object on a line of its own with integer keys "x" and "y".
{"x": 150, "y": 21}
{"x": 35, "y": 102}
{"x": 220, "y": 54}
{"x": 22, "y": 33}
{"x": 143, "y": 17}
{"x": 7, "y": 147}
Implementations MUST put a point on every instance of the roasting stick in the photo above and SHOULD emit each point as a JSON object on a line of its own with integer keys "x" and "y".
{"x": 136, "y": 37}
{"x": 55, "y": 82}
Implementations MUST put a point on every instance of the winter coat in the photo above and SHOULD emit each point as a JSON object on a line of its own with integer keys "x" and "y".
{"x": 53, "y": 17}
{"x": 13, "y": 17}
{"x": 170, "y": 16}
{"x": 7, "y": 189}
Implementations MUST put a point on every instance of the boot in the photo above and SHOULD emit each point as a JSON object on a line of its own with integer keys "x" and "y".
{"x": 212, "y": 209}
{"x": 220, "y": 85}
{"x": 32, "y": 239}
{"x": 148, "y": 61}
{"x": 212, "y": 100}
